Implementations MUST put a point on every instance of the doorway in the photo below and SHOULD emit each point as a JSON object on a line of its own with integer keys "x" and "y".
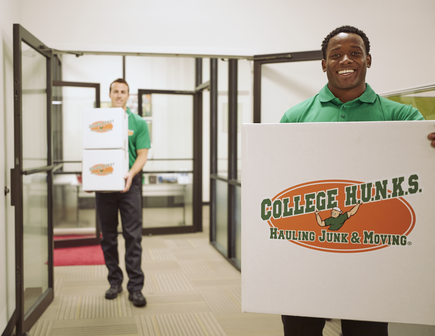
{"x": 75, "y": 221}
{"x": 41, "y": 197}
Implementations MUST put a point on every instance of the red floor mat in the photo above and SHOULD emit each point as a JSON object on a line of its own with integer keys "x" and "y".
{"x": 65, "y": 237}
{"x": 75, "y": 256}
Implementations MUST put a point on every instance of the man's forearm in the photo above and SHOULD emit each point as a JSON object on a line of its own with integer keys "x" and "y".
{"x": 141, "y": 159}
{"x": 138, "y": 164}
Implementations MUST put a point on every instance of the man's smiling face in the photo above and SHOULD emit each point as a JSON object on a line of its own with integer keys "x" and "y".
{"x": 346, "y": 63}
{"x": 119, "y": 95}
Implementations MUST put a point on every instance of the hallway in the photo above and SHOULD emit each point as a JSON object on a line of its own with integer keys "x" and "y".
{"x": 190, "y": 288}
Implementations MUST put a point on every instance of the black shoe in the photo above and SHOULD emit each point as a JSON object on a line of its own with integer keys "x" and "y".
{"x": 113, "y": 291}
{"x": 137, "y": 298}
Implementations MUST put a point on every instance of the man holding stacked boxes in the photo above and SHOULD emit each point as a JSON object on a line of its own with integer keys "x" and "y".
{"x": 112, "y": 168}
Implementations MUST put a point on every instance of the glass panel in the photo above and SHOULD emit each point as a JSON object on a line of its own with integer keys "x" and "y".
{"x": 222, "y": 214}
{"x": 206, "y": 145}
{"x": 222, "y": 119}
{"x": 239, "y": 223}
{"x": 93, "y": 69}
{"x": 9, "y": 266}
{"x": 167, "y": 200}
{"x": 73, "y": 209}
{"x": 244, "y": 105}
{"x": 34, "y": 145}
{"x": 74, "y": 100}
{"x": 35, "y": 229}
{"x": 423, "y": 101}
{"x": 34, "y": 87}
{"x": 168, "y": 197}
{"x": 171, "y": 127}
{"x": 162, "y": 73}
{"x": 284, "y": 85}
{"x": 166, "y": 165}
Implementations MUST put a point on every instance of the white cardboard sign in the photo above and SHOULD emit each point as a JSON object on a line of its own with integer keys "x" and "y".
{"x": 373, "y": 257}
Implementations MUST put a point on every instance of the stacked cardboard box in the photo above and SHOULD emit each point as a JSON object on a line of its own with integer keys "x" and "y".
{"x": 105, "y": 149}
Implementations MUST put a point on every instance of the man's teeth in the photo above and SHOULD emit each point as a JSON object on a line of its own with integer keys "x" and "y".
{"x": 340, "y": 72}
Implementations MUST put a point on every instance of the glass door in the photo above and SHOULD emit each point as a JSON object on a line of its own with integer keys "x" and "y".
{"x": 32, "y": 178}
{"x": 286, "y": 78}
{"x": 169, "y": 194}
{"x": 273, "y": 77}
{"x": 74, "y": 216}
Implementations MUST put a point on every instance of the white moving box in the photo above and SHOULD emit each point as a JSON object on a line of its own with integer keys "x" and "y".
{"x": 379, "y": 263}
{"x": 105, "y": 128}
{"x": 104, "y": 170}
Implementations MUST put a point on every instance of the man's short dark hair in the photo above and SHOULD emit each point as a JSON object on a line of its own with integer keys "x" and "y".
{"x": 345, "y": 29}
{"x": 119, "y": 80}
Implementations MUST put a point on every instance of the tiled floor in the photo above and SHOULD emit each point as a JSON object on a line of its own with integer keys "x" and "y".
{"x": 190, "y": 288}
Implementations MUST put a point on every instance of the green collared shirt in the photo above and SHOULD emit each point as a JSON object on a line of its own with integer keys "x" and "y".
{"x": 325, "y": 107}
{"x": 138, "y": 135}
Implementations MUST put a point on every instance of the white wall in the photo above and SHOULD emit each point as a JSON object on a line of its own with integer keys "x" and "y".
{"x": 9, "y": 13}
{"x": 400, "y": 31}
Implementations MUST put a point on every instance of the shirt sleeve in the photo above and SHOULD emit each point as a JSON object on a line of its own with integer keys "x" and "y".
{"x": 143, "y": 135}
{"x": 413, "y": 114}
{"x": 397, "y": 111}
{"x": 408, "y": 112}
{"x": 284, "y": 119}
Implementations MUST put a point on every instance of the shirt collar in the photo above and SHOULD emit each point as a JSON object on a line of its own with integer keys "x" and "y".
{"x": 369, "y": 96}
{"x": 128, "y": 111}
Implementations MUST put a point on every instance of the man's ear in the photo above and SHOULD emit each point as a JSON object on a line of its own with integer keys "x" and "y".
{"x": 369, "y": 60}
{"x": 324, "y": 65}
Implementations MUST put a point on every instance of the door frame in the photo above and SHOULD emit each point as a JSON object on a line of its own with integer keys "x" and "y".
{"x": 232, "y": 182}
{"x": 197, "y": 157}
{"x": 75, "y": 242}
{"x": 259, "y": 60}
{"x": 24, "y": 321}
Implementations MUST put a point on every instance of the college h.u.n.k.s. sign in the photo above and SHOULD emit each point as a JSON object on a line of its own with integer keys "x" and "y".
{"x": 338, "y": 220}
{"x": 343, "y": 216}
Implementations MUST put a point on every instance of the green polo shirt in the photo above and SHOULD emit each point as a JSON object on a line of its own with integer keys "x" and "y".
{"x": 138, "y": 135}
{"x": 325, "y": 107}
{"x": 336, "y": 223}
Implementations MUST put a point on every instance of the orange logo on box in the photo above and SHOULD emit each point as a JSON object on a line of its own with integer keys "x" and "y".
{"x": 102, "y": 169}
{"x": 101, "y": 126}
{"x": 343, "y": 216}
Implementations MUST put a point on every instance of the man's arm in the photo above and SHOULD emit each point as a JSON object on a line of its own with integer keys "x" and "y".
{"x": 353, "y": 211}
{"x": 141, "y": 159}
{"x": 319, "y": 220}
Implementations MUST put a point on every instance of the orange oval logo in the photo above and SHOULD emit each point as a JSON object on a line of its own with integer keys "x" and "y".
{"x": 342, "y": 216}
{"x": 101, "y": 169}
{"x": 101, "y": 126}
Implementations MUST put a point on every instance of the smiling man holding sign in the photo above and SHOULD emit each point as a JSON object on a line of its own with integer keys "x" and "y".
{"x": 346, "y": 98}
